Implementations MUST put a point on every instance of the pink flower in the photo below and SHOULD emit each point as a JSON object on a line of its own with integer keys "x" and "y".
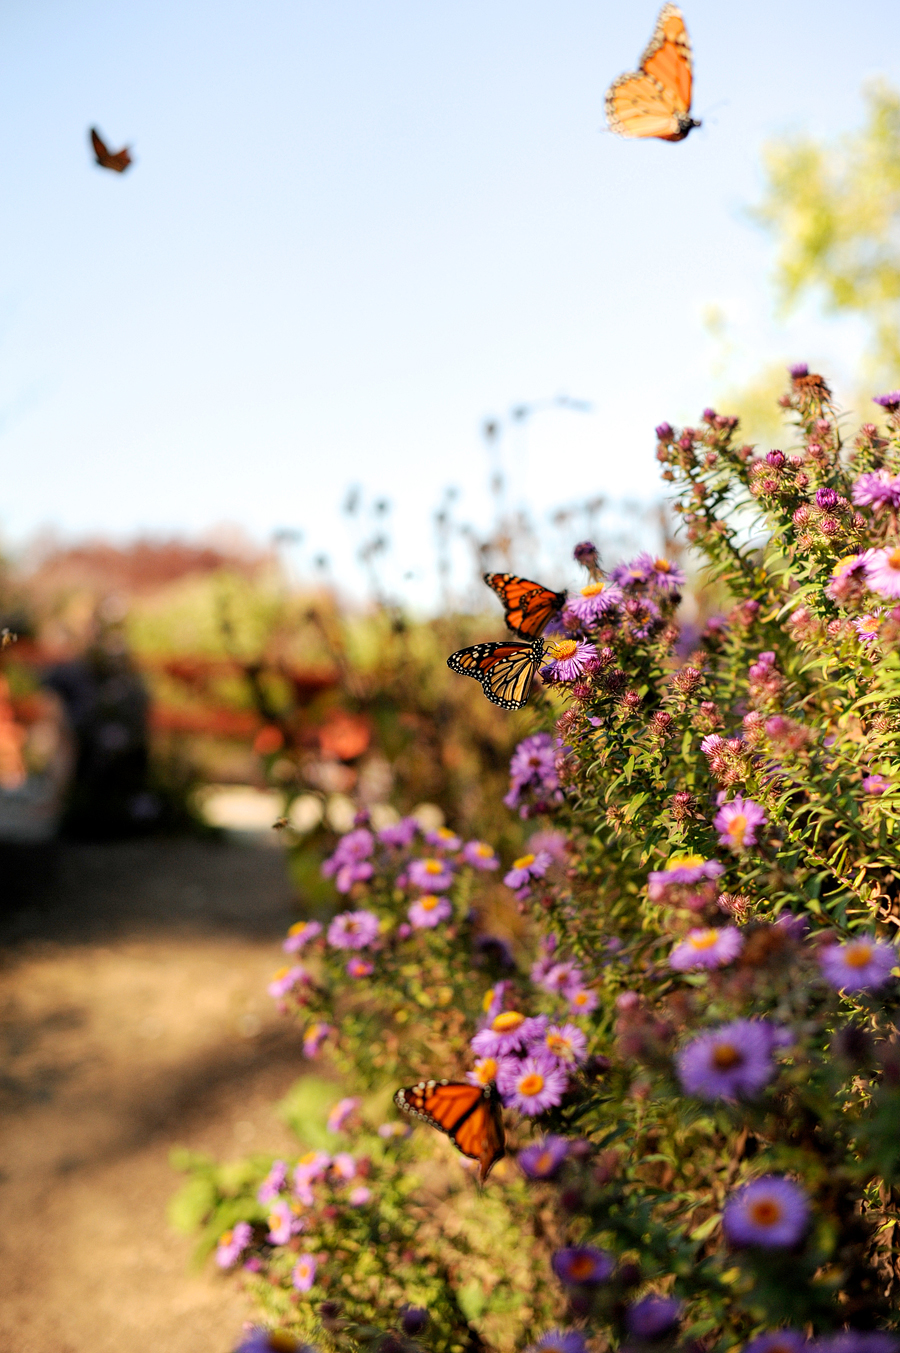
{"x": 303, "y": 1274}
{"x": 507, "y": 1032}
{"x": 526, "y": 868}
{"x": 532, "y": 1085}
{"x": 483, "y": 1072}
{"x": 233, "y": 1243}
{"x": 359, "y": 1196}
{"x": 428, "y": 911}
{"x": 883, "y": 572}
{"x": 583, "y": 1001}
{"x": 442, "y": 838}
{"x": 359, "y": 967}
{"x": 480, "y": 855}
{"x": 314, "y": 1038}
{"x": 283, "y": 1223}
{"x": 594, "y": 601}
{"x": 340, "y": 1113}
{"x": 432, "y": 876}
{"x": 567, "y": 658}
{"x": 876, "y": 784}
{"x": 566, "y": 1042}
{"x": 707, "y": 949}
{"x": 299, "y": 934}
{"x": 859, "y": 964}
{"x": 285, "y": 980}
{"x": 353, "y": 929}
{"x": 344, "y": 1166}
{"x": 737, "y": 821}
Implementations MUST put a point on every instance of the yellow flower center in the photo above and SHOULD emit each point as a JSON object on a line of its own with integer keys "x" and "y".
{"x": 593, "y": 589}
{"x": 543, "y": 1162}
{"x": 226, "y": 1237}
{"x": 765, "y": 1212}
{"x": 563, "y": 648}
{"x": 531, "y": 1084}
{"x": 580, "y": 998}
{"x": 282, "y": 972}
{"x": 704, "y": 939}
{"x": 726, "y": 1056}
{"x": 858, "y": 955}
{"x": 486, "y": 1070}
{"x": 298, "y": 927}
{"x": 488, "y": 998}
{"x": 662, "y": 566}
{"x": 581, "y": 1267}
{"x": 507, "y": 1022}
{"x": 684, "y": 862}
{"x": 737, "y": 828}
{"x": 484, "y": 851}
{"x": 274, "y": 1221}
{"x": 559, "y": 1046}
{"x": 428, "y": 902}
{"x": 521, "y": 863}
{"x": 893, "y": 559}
{"x": 308, "y": 1159}
{"x": 433, "y": 867}
{"x": 279, "y": 1342}
{"x": 843, "y": 565}
{"x": 445, "y": 833}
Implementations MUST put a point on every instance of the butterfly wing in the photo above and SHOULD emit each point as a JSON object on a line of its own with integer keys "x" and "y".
{"x": 118, "y": 160}
{"x": 505, "y": 670}
{"x": 528, "y": 607}
{"x": 656, "y": 100}
{"x": 470, "y": 1115}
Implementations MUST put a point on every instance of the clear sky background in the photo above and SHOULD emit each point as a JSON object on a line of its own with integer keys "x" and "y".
{"x": 357, "y": 228}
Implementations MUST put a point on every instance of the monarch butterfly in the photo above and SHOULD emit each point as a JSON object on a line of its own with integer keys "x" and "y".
{"x": 470, "y": 1115}
{"x": 528, "y": 607}
{"x": 117, "y": 160}
{"x": 656, "y": 99}
{"x": 505, "y": 669}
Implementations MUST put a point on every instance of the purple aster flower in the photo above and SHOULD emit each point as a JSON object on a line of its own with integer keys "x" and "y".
{"x": 643, "y": 616}
{"x": 431, "y": 875}
{"x": 843, "y": 572}
{"x": 867, "y": 626}
{"x": 557, "y": 977}
{"x": 313, "y": 1165}
{"x": 737, "y": 821}
{"x": 778, "y": 1341}
{"x": 594, "y": 601}
{"x": 285, "y": 979}
{"x": 303, "y": 1274}
{"x": 343, "y": 1167}
{"x": 480, "y": 855}
{"x": 428, "y": 911}
{"x": 559, "y": 1341}
{"x": 533, "y": 1085}
{"x": 632, "y": 574}
{"x": 233, "y": 1243}
{"x": 652, "y": 1317}
{"x": 771, "y": 1211}
{"x": 400, "y": 834}
{"x": 858, "y": 965}
{"x": 340, "y": 1113}
{"x": 567, "y": 658}
{"x": 566, "y": 1042}
{"x": 890, "y": 401}
{"x": 507, "y": 1032}
{"x": 273, "y": 1183}
{"x": 359, "y": 1196}
{"x": 876, "y": 784}
{"x": 554, "y": 843}
{"x": 299, "y": 934}
{"x": 442, "y": 838}
{"x": 314, "y": 1038}
{"x": 353, "y": 929}
{"x": 585, "y": 553}
{"x": 532, "y": 771}
{"x": 359, "y": 967}
{"x": 283, "y": 1223}
{"x": 877, "y": 488}
{"x": 526, "y": 868}
{"x": 883, "y": 572}
{"x": 730, "y": 1062}
{"x": 798, "y": 370}
{"x": 261, "y": 1340}
{"x": 710, "y": 948}
{"x": 681, "y": 871}
{"x": 350, "y": 862}
{"x": 659, "y": 573}
{"x": 492, "y": 1001}
{"x": 857, "y": 1341}
{"x": 483, "y": 1072}
{"x": 582, "y": 1001}
{"x": 389, "y": 1130}
{"x": 582, "y": 1264}
{"x": 543, "y": 1159}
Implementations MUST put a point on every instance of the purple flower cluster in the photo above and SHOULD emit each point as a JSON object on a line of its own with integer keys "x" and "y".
{"x": 530, "y": 1068}
{"x": 877, "y": 488}
{"x": 534, "y": 783}
{"x": 564, "y": 979}
{"x": 687, "y": 881}
{"x": 351, "y": 861}
{"x": 646, "y": 572}
{"x": 883, "y": 572}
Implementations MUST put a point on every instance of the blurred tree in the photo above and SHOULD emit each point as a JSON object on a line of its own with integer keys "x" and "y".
{"x": 834, "y": 210}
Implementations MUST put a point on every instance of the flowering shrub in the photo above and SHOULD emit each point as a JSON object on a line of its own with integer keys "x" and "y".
{"x": 691, "y": 1013}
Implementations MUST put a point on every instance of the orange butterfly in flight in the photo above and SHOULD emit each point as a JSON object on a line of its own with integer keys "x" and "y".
{"x": 505, "y": 669}
{"x": 656, "y": 99}
{"x": 470, "y": 1115}
{"x": 527, "y": 606}
{"x": 117, "y": 160}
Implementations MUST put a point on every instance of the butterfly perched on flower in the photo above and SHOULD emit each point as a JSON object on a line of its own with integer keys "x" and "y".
{"x": 116, "y": 160}
{"x": 527, "y": 607}
{"x": 656, "y": 99}
{"x": 505, "y": 669}
{"x": 470, "y": 1115}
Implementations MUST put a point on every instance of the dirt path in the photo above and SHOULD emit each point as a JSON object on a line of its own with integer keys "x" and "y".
{"x": 133, "y": 1017}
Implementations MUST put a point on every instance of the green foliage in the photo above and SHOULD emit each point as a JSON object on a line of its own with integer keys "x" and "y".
{"x": 835, "y": 210}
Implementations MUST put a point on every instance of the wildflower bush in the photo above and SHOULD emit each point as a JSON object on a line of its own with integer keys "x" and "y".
{"x": 684, "y": 990}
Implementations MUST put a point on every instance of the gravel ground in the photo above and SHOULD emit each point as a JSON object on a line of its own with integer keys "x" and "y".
{"x": 133, "y": 1018}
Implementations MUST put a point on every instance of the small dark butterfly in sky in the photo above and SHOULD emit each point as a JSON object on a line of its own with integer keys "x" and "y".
{"x": 116, "y": 160}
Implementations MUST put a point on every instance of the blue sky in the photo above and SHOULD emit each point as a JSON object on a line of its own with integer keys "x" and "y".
{"x": 355, "y": 230}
